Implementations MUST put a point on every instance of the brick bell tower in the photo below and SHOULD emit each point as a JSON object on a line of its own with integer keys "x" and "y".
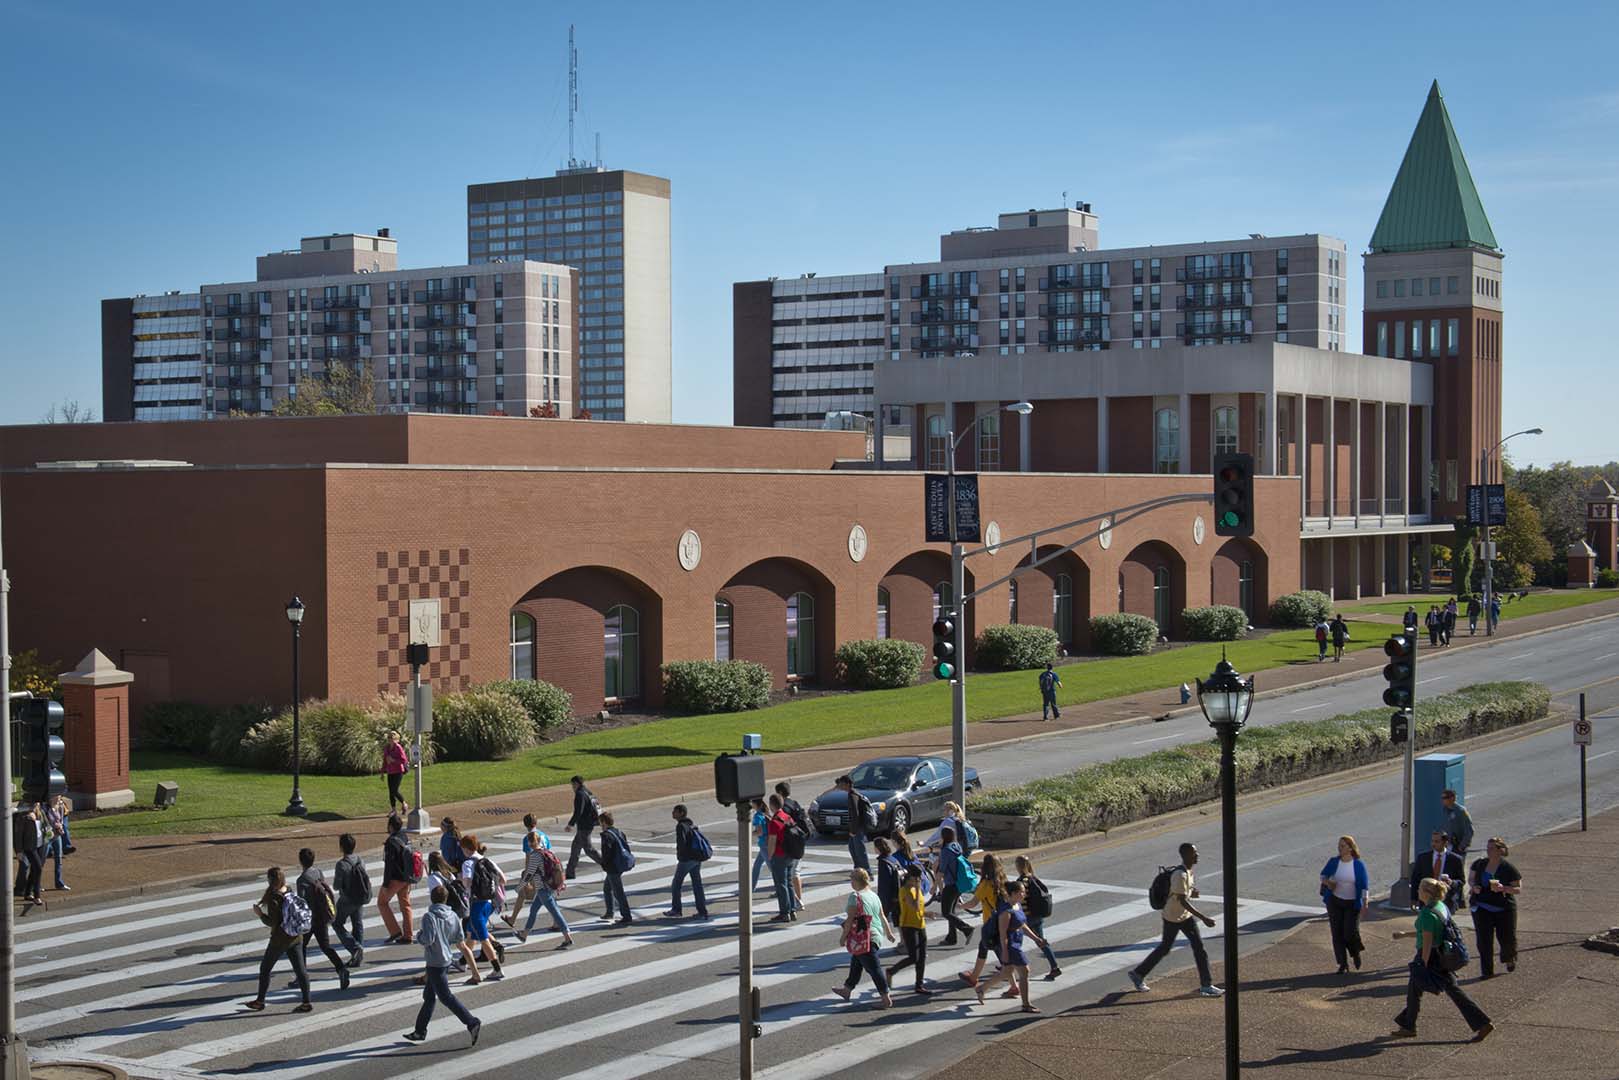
{"x": 1433, "y": 295}
{"x": 1602, "y": 524}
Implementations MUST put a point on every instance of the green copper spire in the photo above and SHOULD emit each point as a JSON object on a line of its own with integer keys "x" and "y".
{"x": 1433, "y": 203}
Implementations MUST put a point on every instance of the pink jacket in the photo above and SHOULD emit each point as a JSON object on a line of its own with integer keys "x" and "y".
{"x": 394, "y": 759}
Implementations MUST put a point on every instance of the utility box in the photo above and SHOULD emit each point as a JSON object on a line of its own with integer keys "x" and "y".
{"x": 738, "y": 778}
{"x": 1433, "y": 774}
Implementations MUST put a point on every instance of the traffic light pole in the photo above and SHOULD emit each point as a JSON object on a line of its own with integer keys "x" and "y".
{"x": 13, "y": 1051}
{"x": 958, "y": 685}
{"x": 1400, "y": 897}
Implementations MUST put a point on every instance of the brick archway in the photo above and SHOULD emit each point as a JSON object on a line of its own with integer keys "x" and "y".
{"x": 1152, "y": 582}
{"x": 911, "y": 585}
{"x": 767, "y": 605}
{"x": 1226, "y": 578}
{"x": 572, "y": 635}
{"x": 1036, "y": 597}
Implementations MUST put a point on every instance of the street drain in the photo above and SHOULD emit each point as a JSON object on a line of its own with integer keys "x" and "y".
{"x": 500, "y": 811}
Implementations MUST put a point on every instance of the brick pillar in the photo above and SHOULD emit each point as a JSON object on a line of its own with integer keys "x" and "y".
{"x": 95, "y": 697}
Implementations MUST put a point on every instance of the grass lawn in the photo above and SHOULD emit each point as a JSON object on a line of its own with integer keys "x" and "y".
{"x": 1533, "y": 604}
{"x": 215, "y": 798}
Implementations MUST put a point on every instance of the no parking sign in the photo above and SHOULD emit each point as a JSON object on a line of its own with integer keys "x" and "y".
{"x": 1582, "y": 732}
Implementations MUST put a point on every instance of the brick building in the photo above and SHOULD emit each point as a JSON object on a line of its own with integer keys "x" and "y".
{"x": 583, "y": 554}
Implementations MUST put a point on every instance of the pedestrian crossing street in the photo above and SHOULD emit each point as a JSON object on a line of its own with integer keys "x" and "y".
{"x": 156, "y": 985}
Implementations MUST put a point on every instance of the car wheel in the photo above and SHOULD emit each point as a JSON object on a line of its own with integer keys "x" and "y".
{"x": 901, "y": 819}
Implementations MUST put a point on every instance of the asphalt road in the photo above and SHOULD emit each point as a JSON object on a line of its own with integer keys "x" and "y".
{"x": 155, "y": 984}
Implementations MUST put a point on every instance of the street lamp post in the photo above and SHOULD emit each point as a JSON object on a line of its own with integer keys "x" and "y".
{"x": 958, "y": 589}
{"x": 1226, "y": 698}
{"x": 1489, "y": 563}
{"x": 295, "y": 616}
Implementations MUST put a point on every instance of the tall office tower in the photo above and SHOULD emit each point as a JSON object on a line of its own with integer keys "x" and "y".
{"x": 805, "y": 347}
{"x": 1433, "y": 293}
{"x": 613, "y": 227}
{"x": 151, "y": 357}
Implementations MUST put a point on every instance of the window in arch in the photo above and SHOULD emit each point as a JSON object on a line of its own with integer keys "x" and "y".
{"x": 1245, "y": 587}
{"x": 1062, "y": 608}
{"x": 723, "y": 615}
{"x": 1225, "y": 429}
{"x": 941, "y": 599}
{"x": 1011, "y": 601}
{"x": 882, "y": 612}
{"x": 522, "y": 645}
{"x": 1160, "y": 599}
{"x": 621, "y": 641}
{"x": 1167, "y": 442}
{"x": 801, "y": 635}
{"x": 936, "y": 442}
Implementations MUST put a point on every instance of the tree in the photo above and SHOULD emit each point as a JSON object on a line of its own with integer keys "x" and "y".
{"x": 1465, "y": 559}
{"x": 342, "y": 391}
{"x": 547, "y": 411}
{"x": 1558, "y": 495}
{"x": 69, "y": 412}
{"x": 1522, "y": 540}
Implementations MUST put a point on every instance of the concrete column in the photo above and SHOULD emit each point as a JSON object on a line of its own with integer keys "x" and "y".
{"x": 950, "y": 432}
{"x": 1184, "y": 411}
{"x": 1301, "y": 426}
{"x": 1403, "y": 580}
{"x": 1024, "y": 424}
{"x": 1427, "y": 562}
{"x": 1427, "y": 471}
{"x": 1332, "y": 569}
{"x": 1381, "y": 485}
{"x": 1101, "y": 435}
{"x": 1404, "y": 415}
{"x": 1329, "y": 457}
{"x": 1354, "y": 464}
{"x": 1355, "y": 543}
{"x": 1268, "y": 445}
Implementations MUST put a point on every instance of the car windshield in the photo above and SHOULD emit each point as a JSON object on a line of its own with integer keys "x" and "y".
{"x": 881, "y": 775}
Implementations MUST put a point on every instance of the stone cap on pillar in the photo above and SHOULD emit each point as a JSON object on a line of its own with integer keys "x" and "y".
{"x": 95, "y": 670}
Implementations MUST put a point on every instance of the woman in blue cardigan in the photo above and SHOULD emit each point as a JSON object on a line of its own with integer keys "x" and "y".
{"x": 1344, "y": 888}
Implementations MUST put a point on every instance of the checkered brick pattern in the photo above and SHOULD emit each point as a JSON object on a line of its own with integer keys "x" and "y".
{"x": 403, "y": 576}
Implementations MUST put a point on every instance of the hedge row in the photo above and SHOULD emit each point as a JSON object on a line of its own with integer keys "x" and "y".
{"x": 879, "y": 664}
{"x": 1110, "y": 794}
{"x": 1301, "y": 609}
{"x": 713, "y": 686}
{"x": 1221, "y": 622}
{"x": 1123, "y": 634}
{"x": 1016, "y": 647}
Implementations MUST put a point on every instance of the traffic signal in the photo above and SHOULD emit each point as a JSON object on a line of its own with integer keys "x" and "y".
{"x": 1234, "y": 495}
{"x": 1399, "y": 727}
{"x": 1401, "y": 672}
{"x": 944, "y": 646}
{"x": 43, "y": 749}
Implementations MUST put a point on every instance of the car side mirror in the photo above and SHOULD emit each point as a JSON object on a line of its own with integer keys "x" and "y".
{"x": 919, "y": 785}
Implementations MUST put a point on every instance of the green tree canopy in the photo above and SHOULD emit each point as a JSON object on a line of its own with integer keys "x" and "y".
{"x": 342, "y": 391}
{"x": 1522, "y": 540}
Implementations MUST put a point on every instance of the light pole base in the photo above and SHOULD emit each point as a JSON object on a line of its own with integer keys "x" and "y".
{"x": 14, "y": 1056}
{"x": 420, "y": 823}
{"x": 295, "y": 807}
{"x": 1399, "y": 896}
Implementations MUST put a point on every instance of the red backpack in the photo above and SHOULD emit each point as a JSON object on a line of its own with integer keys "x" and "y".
{"x": 551, "y": 870}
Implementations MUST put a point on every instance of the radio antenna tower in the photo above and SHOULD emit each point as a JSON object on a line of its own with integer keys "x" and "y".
{"x": 573, "y": 94}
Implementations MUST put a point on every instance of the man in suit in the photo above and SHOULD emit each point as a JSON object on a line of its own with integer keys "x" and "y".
{"x": 1443, "y": 864}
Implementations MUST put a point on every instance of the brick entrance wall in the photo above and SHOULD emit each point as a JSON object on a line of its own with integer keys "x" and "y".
{"x": 1226, "y": 577}
{"x": 1137, "y": 574}
{"x": 569, "y": 612}
{"x": 758, "y": 595}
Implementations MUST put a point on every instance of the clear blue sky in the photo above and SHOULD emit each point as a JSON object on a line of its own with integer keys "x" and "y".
{"x": 166, "y": 146}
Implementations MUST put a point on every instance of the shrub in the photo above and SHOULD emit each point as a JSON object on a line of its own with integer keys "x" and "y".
{"x": 1222, "y": 622}
{"x": 1016, "y": 647}
{"x": 1123, "y": 634}
{"x": 886, "y": 664}
{"x": 547, "y": 706}
{"x": 209, "y": 731}
{"x": 338, "y": 738}
{"x": 1112, "y": 793}
{"x": 480, "y": 724}
{"x": 1301, "y": 609}
{"x": 711, "y": 686}
{"x": 1608, "y": 579}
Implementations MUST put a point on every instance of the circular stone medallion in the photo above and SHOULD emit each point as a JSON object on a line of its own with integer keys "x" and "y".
{"x": 1197, "y": 529}
{"x": 858, "y": 542}
{"x": 992, "y": 537}
{"x": 690, "y": 549}
{"x": 1105, "y": 534}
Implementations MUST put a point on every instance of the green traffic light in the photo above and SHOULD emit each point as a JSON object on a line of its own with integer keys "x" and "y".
{"x": 943, "y": 670}
{"x": 1229, "y": 518}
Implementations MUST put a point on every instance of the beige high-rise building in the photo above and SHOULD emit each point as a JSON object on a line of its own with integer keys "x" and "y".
{"x": 613, "y": 227}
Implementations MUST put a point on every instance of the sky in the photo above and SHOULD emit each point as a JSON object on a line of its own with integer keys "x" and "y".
{"x": 161, "y": 147}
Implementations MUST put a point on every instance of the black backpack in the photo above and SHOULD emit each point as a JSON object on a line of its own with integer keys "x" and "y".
{"x": 353, "y": 883}
{"x": 793, "y": 839}
{"x": 457, "y": 899}
{"x": 1158, "y": 891}
{"x": 1452, "y": 953}
{"x": 484, "y": 880}
{"x": 1037, "y": 897}
{"x": 795, "y": 810}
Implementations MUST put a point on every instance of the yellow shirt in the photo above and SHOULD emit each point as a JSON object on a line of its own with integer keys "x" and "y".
{"x": 987, "y": 898}
{"x": 910, "y": 907}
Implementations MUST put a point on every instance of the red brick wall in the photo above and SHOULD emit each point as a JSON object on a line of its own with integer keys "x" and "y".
{"x": 1063, "y": 436}
{"x": 96, "y": 733}
{"x": 1343, "y": 432}
{"x": 1129, "y": 434}
{"x": 1202, "y": 438}
{"x": 910, "y": 584}
{"x": 758, "y": 595}
{"x": 1315, "y": 433}
{"x": 570, "y": 611}
{"x": 1037, "y": 588}
{"x": 1137, "y": 575}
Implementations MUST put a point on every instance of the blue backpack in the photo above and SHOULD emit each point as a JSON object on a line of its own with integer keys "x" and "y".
{"x": 966, "y": 878}
{"x": 700, "y": 847}
{"x": 969, "y": 836}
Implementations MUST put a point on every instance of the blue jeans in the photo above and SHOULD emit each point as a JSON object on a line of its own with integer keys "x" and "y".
{"x": 868, "y": 963}
{"x": 613, "y": 887}
{"x": 857, "y": 851}
{"x": 348, "y": 916}
{"x": 695, "y": 869}
{"x": 1039, "y": 928}
{"x": 56, "y": 854}
{"x": 759, "y": 861}
{"x": 547, "y": 899}
{"x": 438, "y": 986}
{"x": 781, "y": 873}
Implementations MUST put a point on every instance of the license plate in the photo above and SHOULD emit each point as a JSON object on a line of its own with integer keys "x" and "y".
{"x": 834, "y": 819}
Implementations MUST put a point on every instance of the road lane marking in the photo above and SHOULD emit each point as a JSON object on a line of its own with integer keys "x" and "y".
{"x": 1431, "y": 678}
{"x": 1598, "y": 757}
{"x": 1161, "y": 738}
{"x": 1604, "y": 656}
{"x": 1307, "y": 708}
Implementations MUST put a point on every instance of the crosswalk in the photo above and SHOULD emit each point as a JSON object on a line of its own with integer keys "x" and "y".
{"x": 156, "y": 985}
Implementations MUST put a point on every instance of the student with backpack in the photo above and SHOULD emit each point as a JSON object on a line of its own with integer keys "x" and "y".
{"x": 543, "y": 873}
{"x": 955, "y": 819}
{"x": 692, "y": 850}
{"x": 1049, "y": 681}
{"x": 1171, "y": 893}
{"x": 313, "y": 891}
{"x": 455, "y": 892}
{"x": 534, "y": 837}
{"x": 866, "y": 931}
{"x": 989, "y": 899}
{"x": 1321, "y": 633}
{"x": 862, "y": 822}
{"x": 289, "y": 919}
{"x": 484, "y": 881}
{"x": 400, "y": 870}
{"x": 889, "y": 875}
{"x": 956, "y": 879}
{"x": 441, "y": 933}
{"x": 787, "y": 842}
{"x": 912, "y": 927}
{"x": 1340, "y": 637}
{"x": 761, "y": 834}
{"x": 353, "y": 887}
{"x": 617, "y": 860}
{"x": 586, "y": 816}
{"x": 795, "y": 810}
{"x": 1012, "y": 926}
{"x": 1037, "y": 907}
{"x": 449, "y": 844}
{"x": 1440, "y": 954}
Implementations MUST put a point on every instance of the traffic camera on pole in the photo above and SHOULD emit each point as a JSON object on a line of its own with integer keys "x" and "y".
{"x": 43, "y": 749}
{"x": 944, "y": 646}
{"x": 1234, "y": 495}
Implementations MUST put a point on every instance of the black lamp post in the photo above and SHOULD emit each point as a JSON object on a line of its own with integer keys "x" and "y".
{"x": 295, "y": 616}
{"x": 1226, "y": 698}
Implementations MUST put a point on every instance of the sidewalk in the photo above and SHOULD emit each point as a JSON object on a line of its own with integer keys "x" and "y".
{"x": 1557, "y": 1015}
{"x": 105, "y": 868}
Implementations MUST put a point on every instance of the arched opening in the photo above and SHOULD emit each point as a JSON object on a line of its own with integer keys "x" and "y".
{"x": 1238, "y": 575}
{"x": 595, "y": 632}
{"x": 1057, "y": 594}
{"x": 723, "y": 617}
{"x": 1152, "y": 582}
{"x": 782, "y": 617}
{"x": 918, "y": 587}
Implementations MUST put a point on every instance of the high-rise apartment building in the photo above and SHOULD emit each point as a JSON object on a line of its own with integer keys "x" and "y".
{"x": 1433, "y": 294}
{"x": 806, "y": 347}
{"x": 490, "y": 339}
{"x": 613, "y": 227}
